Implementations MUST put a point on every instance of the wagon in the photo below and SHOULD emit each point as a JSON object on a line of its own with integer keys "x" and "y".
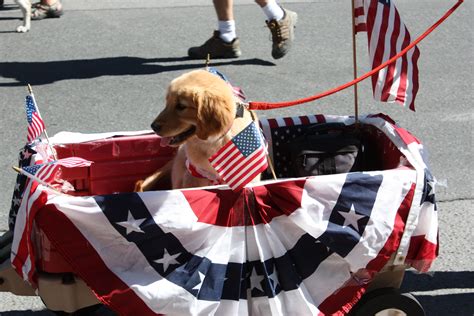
{"x": 325, "y": 244}
{"x": 335, "y": 243}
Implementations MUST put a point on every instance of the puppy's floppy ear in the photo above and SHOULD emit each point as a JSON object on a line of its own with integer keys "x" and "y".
{"x": 215, "y": 112}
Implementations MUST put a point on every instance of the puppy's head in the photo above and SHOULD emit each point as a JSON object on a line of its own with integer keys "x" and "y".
{"x": 199, "y": 104}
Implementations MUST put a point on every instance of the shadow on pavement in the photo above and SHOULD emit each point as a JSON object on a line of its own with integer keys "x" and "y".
{"x": 40, "y": 73}
{"x": 5, "y": 7}
{"x": 442, "y": 304}
{"x": 102, "y": 311}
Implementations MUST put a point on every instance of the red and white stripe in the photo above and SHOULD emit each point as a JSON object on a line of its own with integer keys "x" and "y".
{"x": 359, "y": 16}
{"x": 22, "y": 255}
{"x": 237, "y": 170}
{"x": 387, "y": 36}
{"x": 47, "y": 172}
{"x": 72, "y": 162}
{"x": 221, "y": 240}
{"x": 36, "y": 127}
{"x": 267, "y": 124}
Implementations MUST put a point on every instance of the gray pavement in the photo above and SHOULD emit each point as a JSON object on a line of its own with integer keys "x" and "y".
{"x": 105, "y": 65}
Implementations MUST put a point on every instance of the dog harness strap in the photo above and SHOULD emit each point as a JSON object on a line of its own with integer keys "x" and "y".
{"x": 239, "y": 111}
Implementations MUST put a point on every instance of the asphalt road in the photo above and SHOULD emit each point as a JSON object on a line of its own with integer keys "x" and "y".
{"x": 104, "y": 66}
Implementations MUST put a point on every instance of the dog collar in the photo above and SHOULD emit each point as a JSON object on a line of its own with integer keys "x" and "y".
{"x": 202, "y": 174}
{"x": 239, "y": 113}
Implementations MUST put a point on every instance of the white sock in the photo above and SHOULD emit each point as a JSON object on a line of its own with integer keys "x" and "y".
{"x": 273, "y": 11}
{"x": 227, "y": 30}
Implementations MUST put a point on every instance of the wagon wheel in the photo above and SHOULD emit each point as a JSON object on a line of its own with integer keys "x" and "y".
{"x": 388, "y": 302}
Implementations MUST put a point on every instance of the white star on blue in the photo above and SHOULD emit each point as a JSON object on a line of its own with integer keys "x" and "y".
{"x": 30, "y": 108}
{"x": 32, "y": 169}
{"x": 248, "y": 140}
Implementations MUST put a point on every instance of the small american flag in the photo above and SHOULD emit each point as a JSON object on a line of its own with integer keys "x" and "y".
{"x": 387, "y": 36}
{"x": 35, "y": 122}
{"x": 242, "y": 158}
{"x": 47, "y": 172}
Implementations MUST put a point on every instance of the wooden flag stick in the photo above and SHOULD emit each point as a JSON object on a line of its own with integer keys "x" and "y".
{"x": 354, "y": 61}
{"x": 30, "y": 91}
{"x": 270, "y": 164}
{"x": 208, "y": 61}
{"x": 32, "y": 177}
{"x": 269, "y": 159}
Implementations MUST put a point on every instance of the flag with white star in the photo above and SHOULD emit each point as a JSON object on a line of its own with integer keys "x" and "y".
{"x": 300, "y": 246}
{"x": 242, "y": 159}
{"x": 191, "y": 256}
{"x": 48, "y": 171}
{"x": 33, "y": 117}
{"x": 387, "y": 35}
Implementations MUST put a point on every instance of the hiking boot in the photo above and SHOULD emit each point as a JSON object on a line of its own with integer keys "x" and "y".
{"x": 283, "y": 33}
{"x": 216, "y": 48}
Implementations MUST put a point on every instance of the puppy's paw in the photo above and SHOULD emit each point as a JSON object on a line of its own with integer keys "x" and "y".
{"x": 22, "y": 29}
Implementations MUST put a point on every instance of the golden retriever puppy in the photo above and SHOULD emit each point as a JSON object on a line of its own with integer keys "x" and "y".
{"x": 199, "y": 117}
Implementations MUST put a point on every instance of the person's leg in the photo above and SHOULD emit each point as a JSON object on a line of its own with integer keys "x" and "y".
{"x": 271, "y": 9}
{"x": 225, "y": 19}
{"x": 281, "y": 23}
{"x": 224, "y": 9}
{"x": 224, "y": 42}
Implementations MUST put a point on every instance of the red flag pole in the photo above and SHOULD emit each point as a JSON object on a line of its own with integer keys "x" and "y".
{"x": 354, "y": 62}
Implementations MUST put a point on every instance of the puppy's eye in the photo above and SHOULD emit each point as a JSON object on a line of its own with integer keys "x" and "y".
{"x": 180, "y": 107}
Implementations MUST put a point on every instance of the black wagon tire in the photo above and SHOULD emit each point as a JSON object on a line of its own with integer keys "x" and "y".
{"x": 388, "y": 299}
{"x": 86, "y": 311}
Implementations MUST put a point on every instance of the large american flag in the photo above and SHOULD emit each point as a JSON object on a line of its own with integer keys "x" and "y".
{"x": 242, "y": 159}
{"x": 387, "y": 36}
{"x": 305, "y": 246}
{"x": 35, "y": 122}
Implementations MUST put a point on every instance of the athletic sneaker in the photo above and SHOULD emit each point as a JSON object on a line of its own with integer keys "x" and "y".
{"x": 283, "y": 33}
{"x": 216, "y": 48}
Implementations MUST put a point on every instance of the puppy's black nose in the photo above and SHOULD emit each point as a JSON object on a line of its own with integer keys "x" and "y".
{"x": 155, "y": 127}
